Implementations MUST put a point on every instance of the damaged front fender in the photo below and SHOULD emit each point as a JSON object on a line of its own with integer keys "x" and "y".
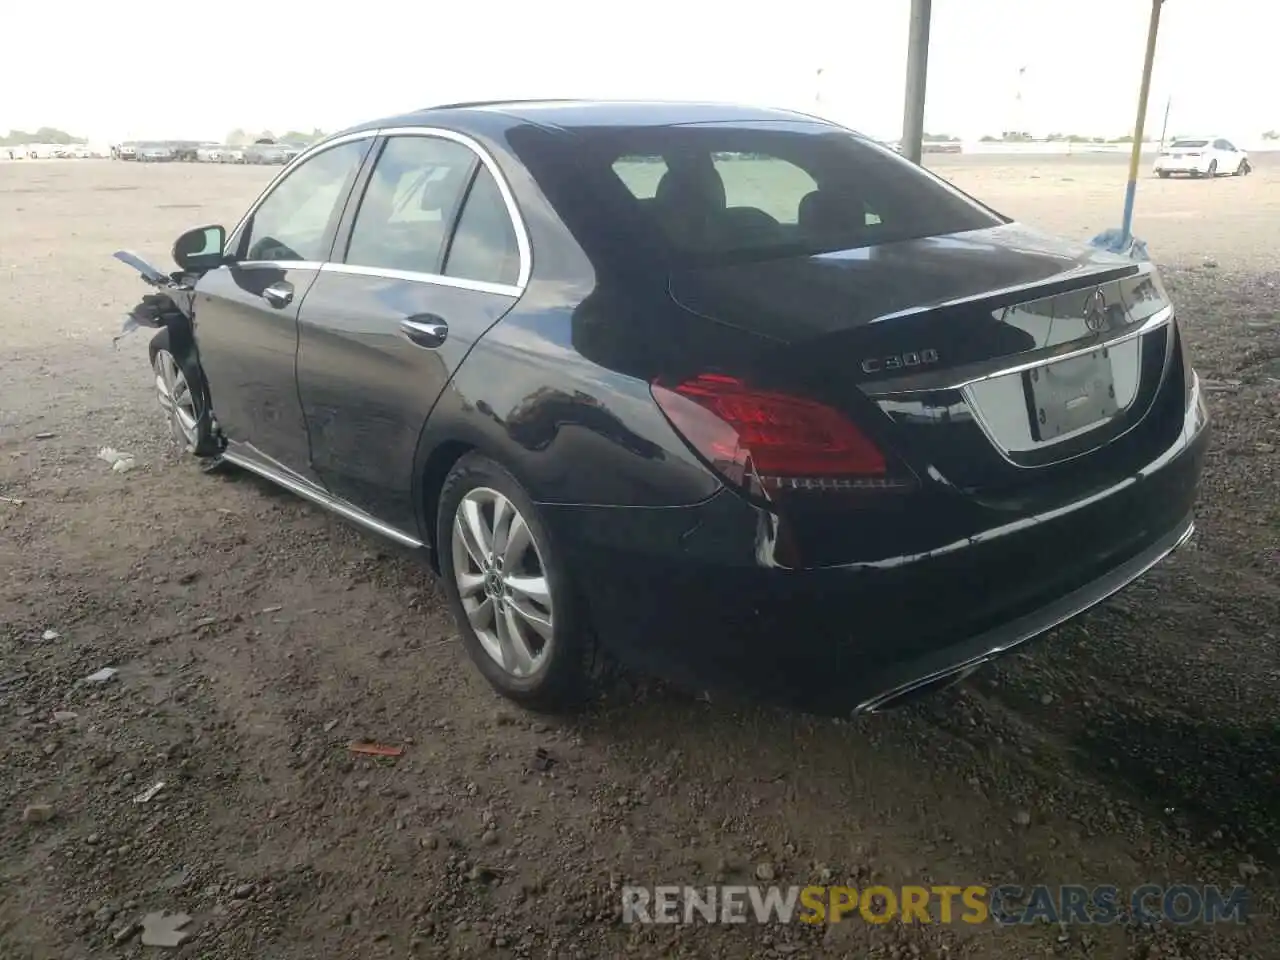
{"x": 174, "y": 304}
{"x": 151, "y": 274}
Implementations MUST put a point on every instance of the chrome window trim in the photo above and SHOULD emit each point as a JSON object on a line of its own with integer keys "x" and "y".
{"x": 281, "y": 264}
{"x": 384, "y": 273}
{"x": 523, "y": 244}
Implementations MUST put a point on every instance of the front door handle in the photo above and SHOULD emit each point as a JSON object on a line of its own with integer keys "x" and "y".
{"x": 279, "y": 294}
{"x": 425, "y": 330}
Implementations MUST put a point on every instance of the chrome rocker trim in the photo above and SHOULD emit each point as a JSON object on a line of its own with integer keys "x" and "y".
{"x": 322, "y": 499}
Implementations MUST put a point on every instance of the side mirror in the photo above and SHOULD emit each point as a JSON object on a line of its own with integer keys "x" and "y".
{"x": 200, "y": 249}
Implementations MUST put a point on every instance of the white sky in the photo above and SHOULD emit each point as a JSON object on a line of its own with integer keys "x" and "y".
{"x": 137, "y": 69}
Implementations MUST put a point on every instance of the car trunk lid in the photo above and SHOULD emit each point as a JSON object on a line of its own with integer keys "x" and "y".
{"x": 981, "y": 358}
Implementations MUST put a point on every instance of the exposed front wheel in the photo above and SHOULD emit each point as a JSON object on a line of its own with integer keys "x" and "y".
{"x": 520, "y": 616}
{"x": 1213, "y": 168}
{"x": 1243, "y": 169}
{"x": 181, "y": 392}
{"x": 1163, "y": 174}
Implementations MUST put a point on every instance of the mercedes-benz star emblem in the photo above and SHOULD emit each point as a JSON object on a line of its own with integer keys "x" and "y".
{"x": 1095, "y": 311}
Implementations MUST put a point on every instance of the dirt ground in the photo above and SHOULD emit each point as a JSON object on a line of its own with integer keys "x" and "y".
{"x": 256, "y": 637}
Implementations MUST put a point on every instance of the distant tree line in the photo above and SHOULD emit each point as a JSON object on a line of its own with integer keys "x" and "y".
{"x": 43, "y": 135}
{"x": 242, "y": 138}
{"x": 1018, "y": 136}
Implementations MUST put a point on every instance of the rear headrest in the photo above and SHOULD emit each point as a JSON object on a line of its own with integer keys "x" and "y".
{"x": 829, "y": 212}
{"x": 691, "y": 182}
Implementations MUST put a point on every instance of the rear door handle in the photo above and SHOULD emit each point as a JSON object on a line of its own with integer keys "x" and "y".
{"x": 425, "y": 330}
{"x": 279, "y": 294}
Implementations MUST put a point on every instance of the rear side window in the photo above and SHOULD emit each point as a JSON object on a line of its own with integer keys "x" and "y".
{"x": 409, "y": 204}
{"x": 709, "y": 193}
{"x": 1189, "y": 144}
{"x": 484, "y": 244}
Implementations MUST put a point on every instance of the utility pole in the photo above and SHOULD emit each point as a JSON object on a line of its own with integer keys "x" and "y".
{"x": 1020, "y": 116}
{"x": 1135, "y": 158}
{"x": 917, "y": 70}
{"x": 1165, "y": 129}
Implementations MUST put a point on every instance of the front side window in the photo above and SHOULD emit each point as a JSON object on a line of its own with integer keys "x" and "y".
{"x": 293, "y": 222}
{"x": 409, "y": 205}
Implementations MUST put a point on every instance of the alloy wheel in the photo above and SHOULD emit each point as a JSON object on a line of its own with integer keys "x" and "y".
{"x": 502, "y": 581}
{"x": 177, "y": 399}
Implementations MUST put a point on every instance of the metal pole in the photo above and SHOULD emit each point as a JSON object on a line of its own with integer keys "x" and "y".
{"x": 1165, "y": 128}
{"x": 1135, "y": 159}
{"x": 917, "y": 68}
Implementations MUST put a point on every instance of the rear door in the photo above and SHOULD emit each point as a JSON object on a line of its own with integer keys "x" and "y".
{"x": 246, "y": 313}
{"x": 433, "y": 254}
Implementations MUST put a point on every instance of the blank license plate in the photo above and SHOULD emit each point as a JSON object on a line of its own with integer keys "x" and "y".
{"x": 1071, "y": 394}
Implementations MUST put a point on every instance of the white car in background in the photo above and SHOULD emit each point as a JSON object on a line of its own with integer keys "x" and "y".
{"x": 155, "y": 153}
{"x": 1202, "y": 157}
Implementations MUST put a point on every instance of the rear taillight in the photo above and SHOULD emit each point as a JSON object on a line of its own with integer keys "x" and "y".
{"x": 766, "y": 441}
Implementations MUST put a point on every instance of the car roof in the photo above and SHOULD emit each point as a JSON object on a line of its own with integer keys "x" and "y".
{"x": 585, "y": 113}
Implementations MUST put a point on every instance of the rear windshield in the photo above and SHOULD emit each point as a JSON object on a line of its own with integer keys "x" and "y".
{"x": 706, "y": 194}
{"x": 1190, "y": 143}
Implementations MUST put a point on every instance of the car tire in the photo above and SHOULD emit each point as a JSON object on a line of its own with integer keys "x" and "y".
{"x": 1163, "y": 174}
{"x": 1213, "y": 169}
{"x": 1243, "y": 169}
{"x": 183, "y": 395}
{"x": 547, "y": 668}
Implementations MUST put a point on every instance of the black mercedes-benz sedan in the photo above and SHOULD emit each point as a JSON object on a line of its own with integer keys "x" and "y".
{"x": 738, "y": 396}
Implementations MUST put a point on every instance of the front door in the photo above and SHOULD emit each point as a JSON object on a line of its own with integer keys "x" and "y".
{"x": 1222, "y": 154}
{"x": 246, "y": 314}
{"x": 1229, "y": 158}
{"x": 430, "y": 261}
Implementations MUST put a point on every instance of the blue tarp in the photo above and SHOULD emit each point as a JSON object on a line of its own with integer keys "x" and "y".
{"x": 1114, "y": 241}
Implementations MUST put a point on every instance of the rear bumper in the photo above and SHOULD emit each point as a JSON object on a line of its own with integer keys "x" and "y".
{"x": 686, "y": 592}
{"x": 1182, "y": 166}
